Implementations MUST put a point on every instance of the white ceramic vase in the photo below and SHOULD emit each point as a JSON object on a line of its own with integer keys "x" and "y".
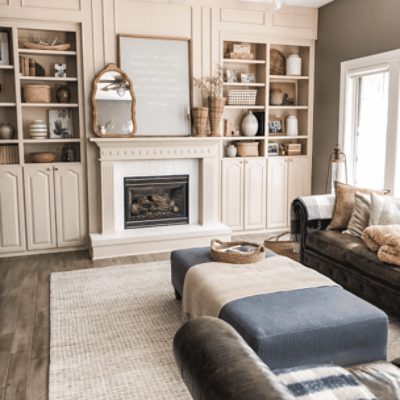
{"x": 6, "y": 131}
{"x": 38, "y": 129}
{"x": 231, "y": 150}
{"x": 249, "y": 124}
{"x": 293, "y": 65}
{"x": 292, "y": 126}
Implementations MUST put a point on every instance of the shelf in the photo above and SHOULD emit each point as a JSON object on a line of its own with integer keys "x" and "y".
{"x": 47, "y": 52}
{"x": 288, "y": 107}
{"x": 54, "y": 163}
{"x": 239, "y": 61}
{"x": 285, "y": 137}
{"x": 50, "y": 105}
{"x": 8, "y": 141}
{"x": 5, "y": 104}
{"x": 8, "y": 67}
{"x": 47, "y": 79}
{"x": 283, "y": 78}
{"x": 244, "y": 84}
{"x": 245, "y": 107}
{"x": 52, "y": 141}
{"x": 229, "y": 138}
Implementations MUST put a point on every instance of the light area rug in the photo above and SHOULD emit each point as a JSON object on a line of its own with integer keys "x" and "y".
{"x": 111, "y": 334}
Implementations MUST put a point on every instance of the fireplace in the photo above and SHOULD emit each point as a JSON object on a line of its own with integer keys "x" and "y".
{"x": 156, "y": 200}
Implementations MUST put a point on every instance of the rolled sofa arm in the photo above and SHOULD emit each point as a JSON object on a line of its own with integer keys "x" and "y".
{"x": 217, "y": 364}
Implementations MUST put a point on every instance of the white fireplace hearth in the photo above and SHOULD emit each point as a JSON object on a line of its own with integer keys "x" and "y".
{"x": 135, "y": 157}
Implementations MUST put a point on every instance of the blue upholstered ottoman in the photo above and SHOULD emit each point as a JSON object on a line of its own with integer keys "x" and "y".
{"x": 299, "y": 327}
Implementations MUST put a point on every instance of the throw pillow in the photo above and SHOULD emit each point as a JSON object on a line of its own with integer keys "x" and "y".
{"x": 385, "y": 210}
{"x": 323, "y": 382}
{"x": 344, "y": 204}
{"x": 360, "y": 217}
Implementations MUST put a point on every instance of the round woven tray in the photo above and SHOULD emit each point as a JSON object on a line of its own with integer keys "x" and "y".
{"x": 235, "y": 258}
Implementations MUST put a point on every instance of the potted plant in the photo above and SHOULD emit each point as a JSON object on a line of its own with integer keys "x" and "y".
{"x": 212, "y": 87}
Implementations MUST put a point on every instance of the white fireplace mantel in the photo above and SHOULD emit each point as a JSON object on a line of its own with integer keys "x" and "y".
{"x": 113, "y": 241}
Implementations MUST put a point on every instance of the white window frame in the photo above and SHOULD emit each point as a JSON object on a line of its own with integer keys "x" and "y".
{"x": 388, "y": 61}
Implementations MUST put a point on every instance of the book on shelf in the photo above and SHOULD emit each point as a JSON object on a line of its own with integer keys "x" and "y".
{"x": 8, "y": 154}
{"x": 27, "y": 66}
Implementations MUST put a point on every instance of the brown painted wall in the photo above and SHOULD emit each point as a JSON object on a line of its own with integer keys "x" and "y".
{"x": 348, "y": 29}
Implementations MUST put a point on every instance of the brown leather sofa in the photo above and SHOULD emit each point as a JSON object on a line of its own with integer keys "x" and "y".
{"x": 348, "y": 261}
{"x": 217, "y": 364}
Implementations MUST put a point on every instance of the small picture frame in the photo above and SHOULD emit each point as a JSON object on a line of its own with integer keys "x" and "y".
{"x": 61, "y": 124}
{"x": 247, "y": 78}
{"x": 276, "y": 126}
{"x": 230, "y": 76}
{"x": 4, "y": 49}
{"x": 273, "y": 149}
{"x": 60, "y": 70}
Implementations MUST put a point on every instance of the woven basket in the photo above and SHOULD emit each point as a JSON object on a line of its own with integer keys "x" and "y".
{"x": 200, "y": 118}
{"x": 218, "y": 255}
{"x": 216, "y": 108}
{"x": 242, "y": 97}
{"x": 247, "y": 149}
{"x": 277, "y": 63}
{"x": 37, "y": 93}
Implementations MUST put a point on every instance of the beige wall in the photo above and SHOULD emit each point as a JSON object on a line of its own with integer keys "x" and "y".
{"x": 348, "y": 29}
{"x": 205, "y": 22}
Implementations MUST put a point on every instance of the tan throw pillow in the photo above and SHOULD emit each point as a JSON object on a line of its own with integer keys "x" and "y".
{"x": 360, "y": 217}
{"x": 385, "y": 210}
{"x": 344, "y": 204}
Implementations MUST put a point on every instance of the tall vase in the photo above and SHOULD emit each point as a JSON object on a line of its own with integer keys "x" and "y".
{"x": 200, "y": 118}
{"x": 216, "y": 109}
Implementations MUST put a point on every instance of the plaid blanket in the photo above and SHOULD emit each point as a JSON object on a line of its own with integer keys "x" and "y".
{"x": 316, "y": 208}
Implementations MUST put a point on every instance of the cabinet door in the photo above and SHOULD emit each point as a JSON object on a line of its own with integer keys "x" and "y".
{"x": 277, "y": 193}
{"x": 39, "y": 207}
{"x": 232, "y": 193}
{"x": 12, "y": 229}
{"x": 299, "y": 178}
{"x": 70, "y": 206}
{"x": 254, "y": 194}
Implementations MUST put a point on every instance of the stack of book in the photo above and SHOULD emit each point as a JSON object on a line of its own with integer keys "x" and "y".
{"x": 8, "y": 154}
{"x": 27, "y": 66}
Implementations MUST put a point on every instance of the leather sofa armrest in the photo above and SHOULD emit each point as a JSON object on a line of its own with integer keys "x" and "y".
{"x": 217, "y": 364}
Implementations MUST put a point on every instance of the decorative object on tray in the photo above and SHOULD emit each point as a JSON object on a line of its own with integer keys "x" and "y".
{"x": 37, "y": 93}
{"x": 242, "y": 97}
{"x": 68, "y": 153}
{"x": 292, "y": 126}
{"x": 277, "y": 63}
{"x": 236, "y": 252}
{"x": 213, "y": 88}
{"x": 43, "y": 157}
{"x": 231, "y": 150}
{"x": 293, "y": 65}
{"x": 240, "y": 51}
{"x": 230, "y": 76}
{"x": 60, "y": 124}
{"x": 60, "y": 70}
{"x": 113, "y": 99}
{"x": 9, "y": 154}
{"x": 293, "y": 149}
{"x": 38, "y": 129}
{"x": 7, "y": 131}
{"x": 37, "y": 43}
{"x": 276, "y": 125}
{"x": 4, "y": 49}
{"x": 63, "y": 94}
{"x": 275, "y": 97}
{"x": 200, "y": 119}
{"x": 247, "y": 78}
{"x": 247, "y": 149}
{"x": 249, "y": 124}
{"x": 273, "y": 149}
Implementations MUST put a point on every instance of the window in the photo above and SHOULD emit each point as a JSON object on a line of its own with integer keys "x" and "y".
{"x": 369, "y": 120}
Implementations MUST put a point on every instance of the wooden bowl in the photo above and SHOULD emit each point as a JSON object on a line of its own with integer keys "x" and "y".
{"x": 44, "y": 157}
{"x": 37, "y": 46}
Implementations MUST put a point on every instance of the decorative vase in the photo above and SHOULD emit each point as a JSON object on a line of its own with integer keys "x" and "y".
{"x": 200, "y": 117}
{"x": 275, "y": 97}
{"x": 216, "y": 109}
{"x": 6, "y": 131}
{"x": 249, "y": 124}
{"x": 292, "y": 126}
{"x": 293, "y": 65}
{"x": 63, "y": 94}
{"x": 38, "y": 129}
{"x": 231, "y": 150}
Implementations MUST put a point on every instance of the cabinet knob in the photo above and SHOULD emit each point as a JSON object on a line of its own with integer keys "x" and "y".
{"x": 55, "y": 169}
{"x": 48, "y": 169}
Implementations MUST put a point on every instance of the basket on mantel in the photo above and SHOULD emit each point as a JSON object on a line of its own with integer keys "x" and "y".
{"x": 242, "y": 97}
{"x": 216, "y": 107}
{"x": 218, "y": 254}
{"x": 200, "y": 118}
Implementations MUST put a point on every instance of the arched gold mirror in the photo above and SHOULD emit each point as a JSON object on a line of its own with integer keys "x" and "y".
{"x": 114, "y": 104}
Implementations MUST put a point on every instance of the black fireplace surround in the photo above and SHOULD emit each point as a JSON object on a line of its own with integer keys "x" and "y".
{"x": 156, "y": 200}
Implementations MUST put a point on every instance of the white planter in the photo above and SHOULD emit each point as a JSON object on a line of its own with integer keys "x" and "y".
{"x": 231, "y": 151}
{"x": 292, "y": 126}
{"x": 249, "y": 124}
{"x": 293, "y": 65}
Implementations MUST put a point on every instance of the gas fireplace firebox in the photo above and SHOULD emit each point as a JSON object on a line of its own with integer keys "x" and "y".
{"x": 156, "y": 200}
